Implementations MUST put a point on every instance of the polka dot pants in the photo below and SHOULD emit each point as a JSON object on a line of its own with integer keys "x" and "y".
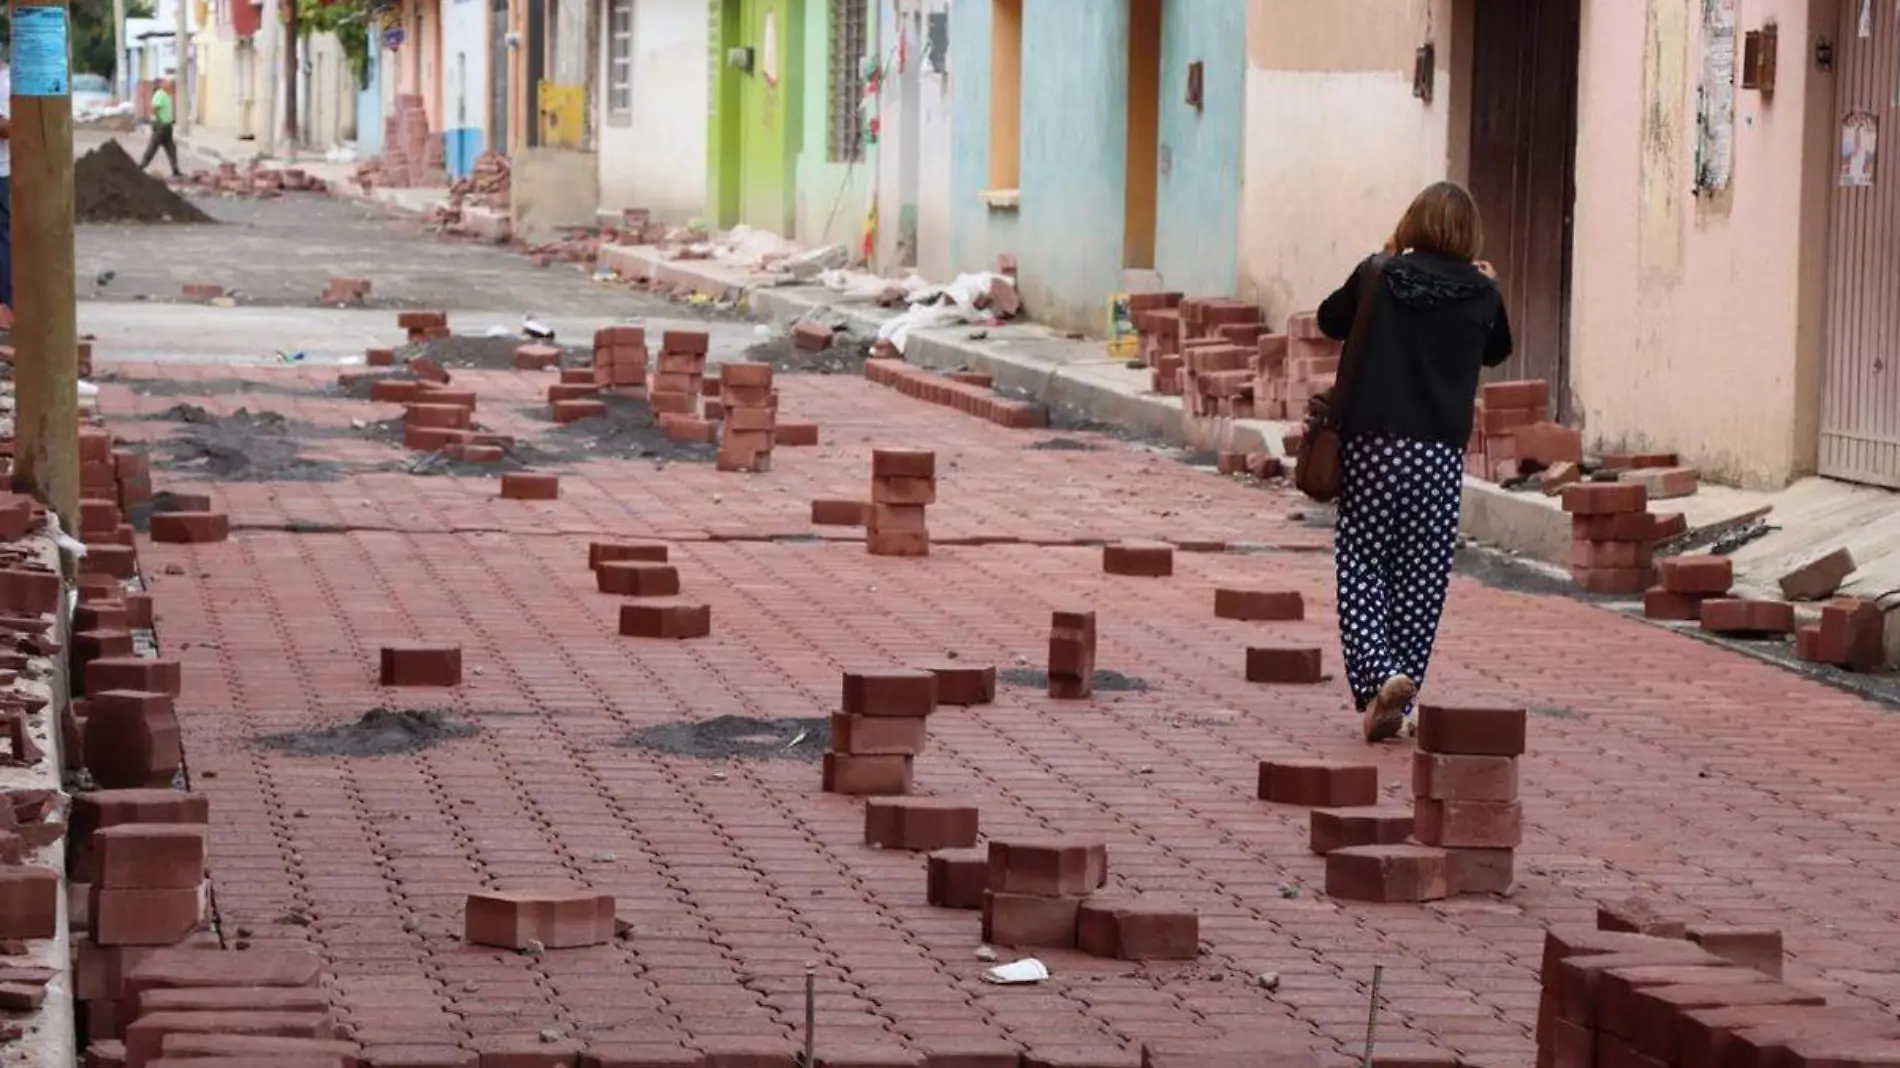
{"x": 1398, "y": 528}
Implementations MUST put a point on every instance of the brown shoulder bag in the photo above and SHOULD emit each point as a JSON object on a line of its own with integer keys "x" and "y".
{"x": 1318, "y": 472}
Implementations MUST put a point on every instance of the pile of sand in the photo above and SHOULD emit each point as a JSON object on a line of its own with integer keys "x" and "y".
{"x": 109, "y": 187}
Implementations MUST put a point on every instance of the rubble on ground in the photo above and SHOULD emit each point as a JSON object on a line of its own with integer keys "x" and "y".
{"x": 109, "y": 187}
{"x": 256, "y": 180}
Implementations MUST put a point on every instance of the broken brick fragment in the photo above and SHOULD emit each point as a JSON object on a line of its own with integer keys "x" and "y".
{"x": 421, "y": 664}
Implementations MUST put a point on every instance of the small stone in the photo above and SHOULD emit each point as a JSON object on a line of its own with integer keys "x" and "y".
{"x": 1267, "y": 980}
{"x": 533, "y": 948}
{"x": 985, "y": 954}
{"x": 552, "y": 1034}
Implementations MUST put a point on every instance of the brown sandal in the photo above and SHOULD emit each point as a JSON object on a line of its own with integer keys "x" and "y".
{"x": 1385, "y": 717}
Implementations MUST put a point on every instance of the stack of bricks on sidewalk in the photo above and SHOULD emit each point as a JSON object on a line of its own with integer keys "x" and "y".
{"x": 677, "y": 385}
{"x": 412, "y": 155}
{"x": 1644, "y": 991}
{"x": 257, "y": 180}
{"x": 424, "y": 325}
{"x": 346, "y": 291}
{"x": 620, "y": 359}
{"x": 1461, "y": 832}
{"x": 903, "y": 484}
{"x": 749, "y": 405}
{"x": 641, "y": 572}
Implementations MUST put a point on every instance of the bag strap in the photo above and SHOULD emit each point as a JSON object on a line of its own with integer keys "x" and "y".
{"x": 1351, "y": 354}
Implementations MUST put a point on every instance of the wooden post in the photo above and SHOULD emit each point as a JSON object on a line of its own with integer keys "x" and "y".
{"x": 45, "y": 312}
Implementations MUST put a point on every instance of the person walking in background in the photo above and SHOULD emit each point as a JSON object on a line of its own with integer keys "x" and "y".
{"x": 1421, "y": 320}
{"x": 162, "y": 129}
{"x": 6, "y": 196}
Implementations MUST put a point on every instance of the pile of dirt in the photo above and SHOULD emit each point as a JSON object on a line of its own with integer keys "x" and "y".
{"x": 380, "y": 732}
{"x": 240, "y": 447}
{"x": 109, "y": 187}
{"x": 483, "y": 353}
{"x": 845, "y": 356}
{"x": 1103, "y": 680}
{"x": 741, "y": 737}
{"x": 628, "y": 431}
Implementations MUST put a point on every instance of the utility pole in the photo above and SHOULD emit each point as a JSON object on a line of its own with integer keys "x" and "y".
{"x": 45, "y": 327}
{"x": 118, "y": 51}
{"x": 187, "y": 78}
{"x": 264, "y": 81}
{"x": 292, "y": 71}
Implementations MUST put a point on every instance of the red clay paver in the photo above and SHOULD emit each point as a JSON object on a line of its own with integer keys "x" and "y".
{"x": 1725, "y": 789}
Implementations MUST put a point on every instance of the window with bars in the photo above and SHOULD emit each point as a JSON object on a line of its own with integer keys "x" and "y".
{"x": 620, "y": 57}
{"x": 848, "y": 34}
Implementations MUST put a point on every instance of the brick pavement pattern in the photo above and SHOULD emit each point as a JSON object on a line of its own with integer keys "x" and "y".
{"x": 1722, "y": 788}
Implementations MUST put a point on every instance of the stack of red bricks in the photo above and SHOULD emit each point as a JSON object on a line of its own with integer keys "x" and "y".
{"x": 1041, "y": 893}
{"x": 1219, "y": 340}
{"x": 412, "y": 156}
{"x": 1685, "y": 583}
{"x": 1676, "y": 995}
{"x": 189, "y": 1004}
{"x": 676, "y": 385}
{"x": 346, "y": 291}
{"x": 1158, "y": 337}
{"x": 620, "y": 359}
{"x": 1613, "y": 537}
{"x": 1465, "y": 824}
{"x": 1502, "y": 409}
{"x": 749, "y": 405}
{"x": 424, "y": 325}
{"x": 878, "y": 732}
{"x": 1293, "y": 367}
{"x": 1851, "y": 634}
{"x": 641, "y": 571}
{"x": 1660, "y": 473}
{"x": 903, "y": 484}
{"x": 436, "y": 418}
{"x": 577, "y": 384}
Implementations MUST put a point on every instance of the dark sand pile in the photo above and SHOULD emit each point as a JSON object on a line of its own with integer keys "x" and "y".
{"x": 108, "y": 187}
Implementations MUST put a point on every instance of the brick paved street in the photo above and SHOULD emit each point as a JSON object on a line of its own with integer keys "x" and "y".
{"x": 1720, "y": 786}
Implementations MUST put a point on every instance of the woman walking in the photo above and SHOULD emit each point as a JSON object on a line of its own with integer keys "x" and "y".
{"x": 1420, "y": 321}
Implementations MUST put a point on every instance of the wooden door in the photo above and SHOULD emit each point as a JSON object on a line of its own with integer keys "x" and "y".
{"x": 1523, "y": 172}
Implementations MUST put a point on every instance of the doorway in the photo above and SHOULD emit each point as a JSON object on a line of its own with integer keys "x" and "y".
{"x": 1860, "y": 408}
{"x": 1523, "y": 173}
{"x": 1144, "y": 134}
{"x": 761, "y": 42}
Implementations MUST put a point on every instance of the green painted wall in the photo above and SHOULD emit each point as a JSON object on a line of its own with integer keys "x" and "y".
{"x": 757, "y": 115}
{"x": 833, "y": 197}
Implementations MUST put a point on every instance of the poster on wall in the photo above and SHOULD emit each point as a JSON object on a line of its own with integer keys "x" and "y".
{"x": 1715, "y": 98}
{"x": 1860, "y": 135}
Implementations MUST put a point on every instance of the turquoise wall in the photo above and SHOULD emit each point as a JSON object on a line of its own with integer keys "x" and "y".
{"x": 832, "y": 197}
{"x": 369, "y": 109}
{"x": 1067, "y": 234}
{"x": 1197, "y": 240}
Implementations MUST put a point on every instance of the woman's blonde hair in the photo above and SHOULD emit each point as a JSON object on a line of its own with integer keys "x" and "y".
{"x": 1443, "y": 219}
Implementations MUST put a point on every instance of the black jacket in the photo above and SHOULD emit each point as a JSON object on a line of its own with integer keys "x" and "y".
{"x": 1436, "y": 322}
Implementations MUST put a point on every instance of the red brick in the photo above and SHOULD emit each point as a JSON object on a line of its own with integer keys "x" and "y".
{"x": 527, "y": 1051}
{"x": 1873, "y": 1042}
{"x": 673, "y": 619}
{"x": 1547, "y": 444}
{"x": 556, "y": 919}
{"x": 1705, "y": 576}
{"x": 899, "y": 543}
{"x": 22, "y": 590}
{"x": 964, "y": 684}
{"x": 537, "y": 357}
{"x": 1617, "y": 989}
{"x": 29, "y": 903}
{"x": 231, "y": 998}
{"x": 957, "y": 878}
{"x": 685, "y": 342}
{"x": 1604, "y": 555}
{"x": 1047, "y": 867}
{"x": 393, "y": 391}
{"x": 118, "y": 561}
{"x": 1657, "y": 1013}
{"x": 1481, "y": 871}
{"x": 526, "y": 487}
{"x": 1139, "y": 929}
{"x": 1759, "y": 948}
{"x": 98, "y": 517}
{"x": 1506, "y": 422}
{"x": 573, "y": 411}
{"x": 896, "y": 518}
{"x": 903, "y": 492}
{"x": 144, "y": 1037}
{"x": 877, "y": 735}
{"x": 601, "y": 552}
{"x": 101, "y": 617}
{"x": 1338, "y": 828}
{"x": 1725, "y": 615}
{"x": 1613, "y": 581}
{"x": 145, "y": 917}
{"x": 1527, "y": 393}
{"x": 1666, "y": 483}
{"x": 429, "y": 438}
{"x": 132, "y": 739}
{"x": 133, "y": 856}
{"x": 867, "y": 775}
{"x": 795, "y": 435}
{"x": 564, "y": 392}
{"x": 636, "y": 578}
{"x": 190, "y": 527}
{"x": 654, "y": 1054}
{"x": 903, "y": 463}
{"x": 1456, "y": 777}
{"x": 1471, "y": 728}
{"x": 1468, "y": 824}
{"x": 1139, "y": 559}
{"x": 897, "y": 692}
{"x": 1636, "y": 915}
{"x": 1318, "y": 783}
{"x": 421, "y": 665}
{"x": 476, "y": 454}
{"x": 97, "y": 809}
{"x": 1279, "y": 606}
{"x": 1605, "y": 498}
{"x": 199, "y": 1048}
{"x": 920, "y": 823}
{"x": 1284, "y": 664}
{"x": 439, "y": 416}
{"x": 1708, "y": 1038}
{"x": 1028, "y": 920}
{"x": 1659, "y": 603}
{"x": 1387, "y": 873}
{"x": 93, "y": 644}
{"x": 1638, "y": 461}
{"x": 1290, "y": 1051}
{"x": 421, "y": 319}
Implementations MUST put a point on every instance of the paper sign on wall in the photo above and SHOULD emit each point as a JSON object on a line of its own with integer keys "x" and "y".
{"x": 40, "y": 53}
{"x": 1860, "y": 135}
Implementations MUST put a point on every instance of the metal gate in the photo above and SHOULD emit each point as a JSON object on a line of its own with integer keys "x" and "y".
{"x": 1860, "y": 412}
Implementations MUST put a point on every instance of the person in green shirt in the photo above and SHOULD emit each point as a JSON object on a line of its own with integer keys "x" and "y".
{"x": 162, "y": 119}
